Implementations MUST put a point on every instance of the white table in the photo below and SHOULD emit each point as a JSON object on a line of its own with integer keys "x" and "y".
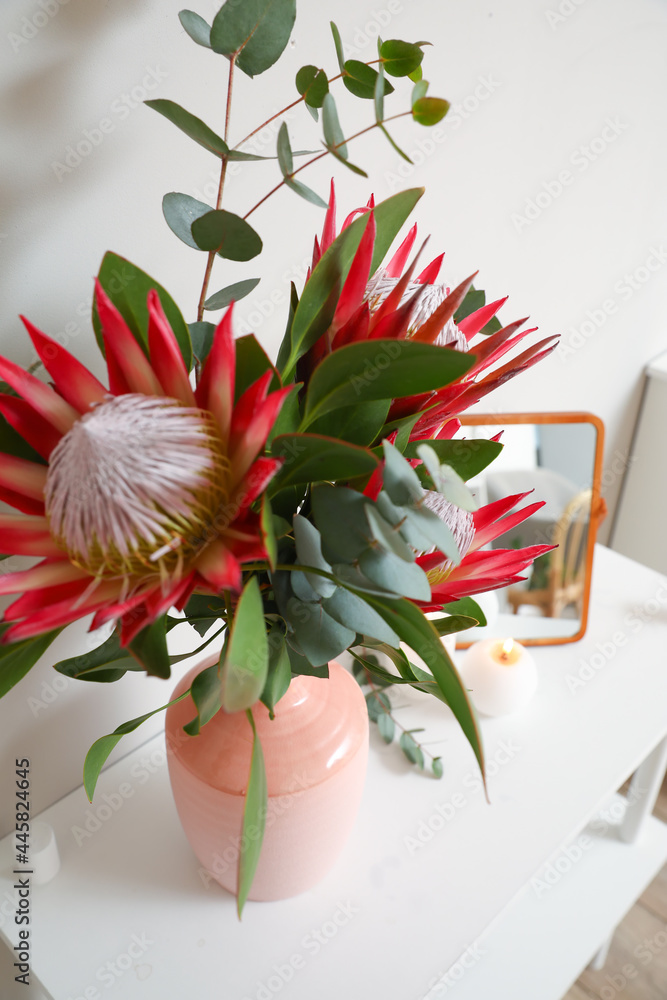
{"x": 436, "y": 887}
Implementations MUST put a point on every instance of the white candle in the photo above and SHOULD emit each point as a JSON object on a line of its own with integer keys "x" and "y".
{"x": 500, "y": 674}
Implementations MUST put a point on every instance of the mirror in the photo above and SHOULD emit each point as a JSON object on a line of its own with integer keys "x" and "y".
{"x": 559, "y": 457}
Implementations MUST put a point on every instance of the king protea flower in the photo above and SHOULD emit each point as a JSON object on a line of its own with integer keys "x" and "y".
{"x": 147, "y": 485}
{"x": 479, "y": 569}
{"x": 395, "y": 305}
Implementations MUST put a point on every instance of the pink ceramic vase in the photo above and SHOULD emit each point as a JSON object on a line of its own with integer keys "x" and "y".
{"x": 315, "y": 751}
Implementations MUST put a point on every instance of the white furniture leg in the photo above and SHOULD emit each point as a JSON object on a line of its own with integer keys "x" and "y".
{"x": 643, "y": 792}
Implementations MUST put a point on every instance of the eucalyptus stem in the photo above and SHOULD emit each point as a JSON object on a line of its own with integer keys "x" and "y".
{"x": 320, "y": 156}
{"x": 387, "y": 711}
{"x": 221, "y": 185}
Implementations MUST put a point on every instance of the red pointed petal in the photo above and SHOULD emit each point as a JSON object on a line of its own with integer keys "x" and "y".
{"x": 27, "y": 536}
{"x": 429, "y": 330}
{"x": 39, "y": 433}
{"x": 504, "y": 524}
{"x": 354, "y": 288}
{"x": 355, "y": 329}
{"x": 248, "y": 445}
{"x": 258, "y": 476}
{"x": 247, "y": 406}
{"x": 429, "y": 275}
{"x": 44, "y": 574}
{"x": 41, "y": 398}
{"x": 74, "y": 382}
{"x": 490, "y": 512}
{"x": 25, "y": 504}
{"x": 23, "y": 476}
{"x": 395, "y": 266}
{"x": 166, "y": 358}
{"x": 395, "y": 324}
{"x": 474, "y": 322}
{"x": 329, "y": 230}
{"x": 219, "y": 567}
{"x": 216, "y": 386}
{"x": 129, "y": 368}
{"x": 35, "y": 600}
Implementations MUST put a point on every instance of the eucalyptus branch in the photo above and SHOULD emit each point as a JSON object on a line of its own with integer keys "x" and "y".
{"x": 223, "y": 172}
{"x": 376, "y": 693}
{"x": 369, "y": 128}
{"x": 299, "y": 100}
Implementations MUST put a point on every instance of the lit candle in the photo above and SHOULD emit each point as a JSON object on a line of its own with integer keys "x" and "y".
{"x": 500, "y": 674}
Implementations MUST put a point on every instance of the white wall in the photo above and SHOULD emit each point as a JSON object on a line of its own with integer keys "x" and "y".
{"x": 528, "y": 92}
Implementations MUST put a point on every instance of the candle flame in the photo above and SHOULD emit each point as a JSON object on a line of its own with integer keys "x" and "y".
{"x": 508, "y": 646}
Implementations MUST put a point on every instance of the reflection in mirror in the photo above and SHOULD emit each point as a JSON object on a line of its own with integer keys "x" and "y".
{"x": 558, "y": 456}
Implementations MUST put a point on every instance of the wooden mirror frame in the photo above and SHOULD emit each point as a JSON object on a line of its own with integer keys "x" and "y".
{"x": 598, "y": 509}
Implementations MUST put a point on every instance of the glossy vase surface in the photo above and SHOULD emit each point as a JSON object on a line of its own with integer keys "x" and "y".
{"x": 315, "y": 752}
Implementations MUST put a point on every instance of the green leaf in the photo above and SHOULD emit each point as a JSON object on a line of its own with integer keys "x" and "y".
{"x": 395, "y": 145}
{"x": 317, "y": 305}
{"x": 100, "y": 750}
{"x": 267, "y": 532}
{"x": 378, "y": 704}
{"x": 311, "y": 458}
{"x": 305, "y": 192}
{"x": 357, "y": 424}
{"x": 207, "y": 608}
{"x": 193, "y": 127}
{"x": 245, "y": 660}
{"x": 418, "y": 633}
{"x": 255, "y": 31}
{"x": 289, "y": 418}
{"x": 400, "y": 481}
{"x": 340, "y": 515}
{"x": 346, "y": 163}
{"x": 308, "y": 544}
{"x": 380, "y": 369}
{"x": 320, "y": 637}
{"x": 280, "y": 671}
{"x": 232, "y": 293}
{"x": 104, "y": 664}
{"x": 400, "y": 58}
{"x": 180, "y": 211}
{"x": 387, "y": 535}
{"x": 196, "y": 27}
{"x": 416, "y": 75}
{"x": 202, "y": 339}
{"x": 361, "y": 80}
{"x": 150, "y": 649}
{"x": 339, "y": 46}
{"x": 412, "y": 750}
{"x": 453, "y": 623}
{"x": 333, "y": 134}
{"x": 205, "y": 693}
{"x": 18, "y": 658}
{"x": 284, "y": 150}
{"x": 227, "y": 234}
{"x": 252, "y": 362}
{"x": 436, "y": 767}
{"x": 446, "y": 480}
{"x": 379, "y": 91}
{"x": 254, "y": 819}
{"x": 430, "y": 110}
{"x": 466, "y": 457}
{"x": 353, "y": 611}
{"x": 419, "y": 90}
{"x": 466, "y": 606}
{"x": 394, "y": 574}
{"x": 313, "y": 85}
{"x": 386, "y": 727}
{"x": 128, "y": 286}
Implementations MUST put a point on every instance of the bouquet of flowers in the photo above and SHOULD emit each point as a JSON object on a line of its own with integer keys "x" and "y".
{"x": 298, "y": 507}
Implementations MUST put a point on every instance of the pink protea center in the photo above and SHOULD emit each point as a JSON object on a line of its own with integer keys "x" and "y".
{"x": 133, "y": 488}
{"x": 461, "y": 525}
{"x": 432, "y": 295}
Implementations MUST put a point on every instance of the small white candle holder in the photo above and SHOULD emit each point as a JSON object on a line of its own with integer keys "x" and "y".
{"x": 500, "y": 674}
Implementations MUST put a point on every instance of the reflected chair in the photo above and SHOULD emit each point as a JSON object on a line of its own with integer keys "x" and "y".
{"x": 567, "y": 564}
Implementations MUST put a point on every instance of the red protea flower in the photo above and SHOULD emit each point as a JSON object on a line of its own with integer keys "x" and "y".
{"x": 393, "y": 304}
{"x": 479, "y": 569}
{"x": 146, "y": 491}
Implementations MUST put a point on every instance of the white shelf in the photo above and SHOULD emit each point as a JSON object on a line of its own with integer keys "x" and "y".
{"x": 430, "y": 870}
